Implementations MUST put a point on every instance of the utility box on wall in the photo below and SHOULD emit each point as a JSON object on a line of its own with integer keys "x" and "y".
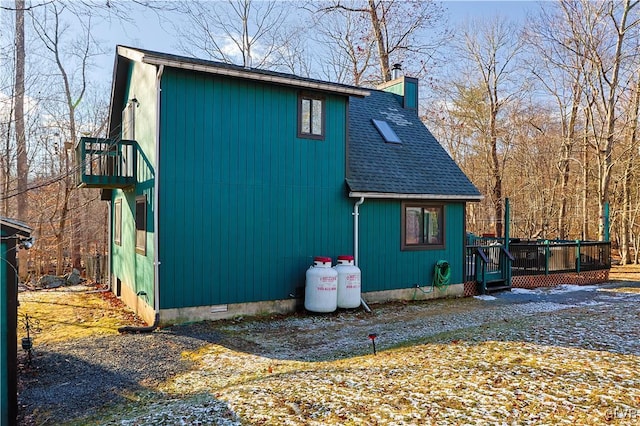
{"x": 12, "y": 233}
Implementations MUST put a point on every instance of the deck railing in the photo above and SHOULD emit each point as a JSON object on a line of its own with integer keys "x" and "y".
{"x": 546, "y": 257}
{"x": 106, "y": 163}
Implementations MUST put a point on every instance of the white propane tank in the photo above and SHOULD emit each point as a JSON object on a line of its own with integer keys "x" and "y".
{"x": 348, "y": 283}
{"x": 321, "y": 286}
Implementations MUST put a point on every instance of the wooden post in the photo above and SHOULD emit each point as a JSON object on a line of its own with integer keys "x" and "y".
{"x": 507, "y": 236}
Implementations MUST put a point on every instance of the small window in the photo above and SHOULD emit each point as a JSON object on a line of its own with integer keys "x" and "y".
{"x": 129, "y": 120}
{"x": 141, "y": 224}
{"x": 422, "y": 227}
{"x": 386, "y": 131}
{"x": 117, "y": 222}
{"x": 125, "y": 168}
{"x": 310, "y": 117}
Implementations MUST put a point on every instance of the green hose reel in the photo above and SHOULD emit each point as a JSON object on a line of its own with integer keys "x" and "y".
{"x": 442, "y": 274}
{"x": 441, "y": 279}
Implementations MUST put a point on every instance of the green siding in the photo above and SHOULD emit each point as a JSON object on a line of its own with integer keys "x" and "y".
{"x": 245, "y": 204}
{"x": 407, "y": 89}
{"x": 385, "y": 267}
{"x": 133, "y": 269}
{"x": 411, "y": 94}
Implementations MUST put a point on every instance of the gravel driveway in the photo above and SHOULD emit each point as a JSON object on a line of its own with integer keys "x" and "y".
{"x": 74, "y": 379}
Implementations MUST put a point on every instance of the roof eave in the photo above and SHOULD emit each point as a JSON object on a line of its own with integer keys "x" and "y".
{"x": 402, "y": 196}
{"x": 348, "y": 91}
{"x": 20, "y": 227}
{"x": 148, "y": 58}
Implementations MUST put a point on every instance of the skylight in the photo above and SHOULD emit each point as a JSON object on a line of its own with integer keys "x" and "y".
{"x": 386, "y": 131}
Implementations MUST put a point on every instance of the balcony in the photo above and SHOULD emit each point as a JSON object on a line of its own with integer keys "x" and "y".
{"x": 105, "y": 163}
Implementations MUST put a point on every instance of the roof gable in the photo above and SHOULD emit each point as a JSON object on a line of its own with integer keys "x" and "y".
{"x": 418, "y": 167}
{"x": 231, "y": 70}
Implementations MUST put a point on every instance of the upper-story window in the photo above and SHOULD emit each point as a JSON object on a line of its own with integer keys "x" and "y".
{"x": 310, "y": 116}
{"x": 125, "y": 159}
{"x": 129, "y": 120}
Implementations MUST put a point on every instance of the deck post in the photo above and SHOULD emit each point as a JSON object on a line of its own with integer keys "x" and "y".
{"x": 507, "y": 236}
{"x": 547, "y": 257}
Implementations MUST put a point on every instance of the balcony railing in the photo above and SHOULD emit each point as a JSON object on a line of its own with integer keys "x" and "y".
{"x": 106, "y": 163}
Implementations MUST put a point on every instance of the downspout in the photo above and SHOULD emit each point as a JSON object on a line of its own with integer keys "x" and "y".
{"x": 156, "y": 204}
{"x": 109, "y": 275}
{"x": 356, "y": 215}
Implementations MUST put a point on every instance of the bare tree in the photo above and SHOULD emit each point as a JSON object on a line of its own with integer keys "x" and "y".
{"x": 397, "y": 32}
{"x": 559, "y": 63}
{"x": 21, "y": 140}
{"x": 490, "y": 50}
{"x": 606, "y": 29}
{"x": 349, "y": 52}
{"x": 51, "y": 31}
{"x": 247, "y": 32}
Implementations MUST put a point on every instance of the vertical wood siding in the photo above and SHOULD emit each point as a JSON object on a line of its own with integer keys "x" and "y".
{"x": 133, "y": 269}
{"x": 245, "y": 204}
{"x": 385, "y": 267}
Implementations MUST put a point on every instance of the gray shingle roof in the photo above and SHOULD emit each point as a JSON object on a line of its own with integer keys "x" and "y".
{"x": 418, "y": 166}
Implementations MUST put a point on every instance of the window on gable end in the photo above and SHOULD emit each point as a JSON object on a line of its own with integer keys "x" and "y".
{"x": 128, "y": 133}
{"x": 129, "y": 120}
{"x": 311, "y": 116}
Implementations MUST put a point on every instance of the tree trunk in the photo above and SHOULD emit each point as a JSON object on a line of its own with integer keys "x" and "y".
{"x": 21, "y": 139}
{"x": 62, "y": 227}
{"x": 585, "y": 179}
{"x": 567, "y": 151}
{"x": 612, "y": 82}
{"x": 627, "y": 179}
{"x": 625, "y": 252}
{"x": 383, "y": 54}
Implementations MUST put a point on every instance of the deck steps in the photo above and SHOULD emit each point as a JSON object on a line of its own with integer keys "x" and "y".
{"x": 495, "y": 286}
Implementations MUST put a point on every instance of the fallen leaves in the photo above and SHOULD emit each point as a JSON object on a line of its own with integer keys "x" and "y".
{"x": 431, "y": 383}
{"x": 71, "y": 313}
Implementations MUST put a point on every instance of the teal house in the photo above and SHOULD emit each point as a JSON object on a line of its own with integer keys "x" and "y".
{"x": 224, "y": 182}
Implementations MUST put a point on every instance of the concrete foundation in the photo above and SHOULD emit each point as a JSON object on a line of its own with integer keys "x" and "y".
{"x": 218, "y": 312}
{"x": 137, "y": 304}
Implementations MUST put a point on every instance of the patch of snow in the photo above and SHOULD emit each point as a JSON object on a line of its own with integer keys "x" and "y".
{"x": 537, "y": 307}
{"x": 569, "y": 288}
{"x": 522, "y": 291}
{"x": 485, "y": 297}
{"x": 591, "y": 303}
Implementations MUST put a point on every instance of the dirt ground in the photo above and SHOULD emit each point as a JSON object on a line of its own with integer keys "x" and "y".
{"x": 575, "y": 354}
{"x": 69, "y": 313}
